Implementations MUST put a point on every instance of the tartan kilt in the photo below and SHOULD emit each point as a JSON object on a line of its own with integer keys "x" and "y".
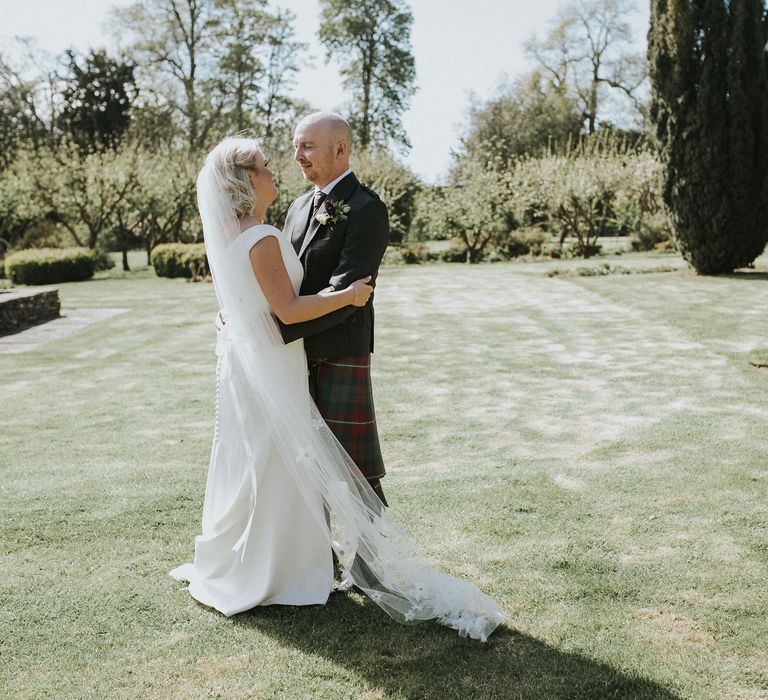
{"x": 341, "y": 389}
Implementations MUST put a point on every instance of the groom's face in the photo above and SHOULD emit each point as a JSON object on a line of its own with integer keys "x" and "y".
{"x": 315, "y": 153}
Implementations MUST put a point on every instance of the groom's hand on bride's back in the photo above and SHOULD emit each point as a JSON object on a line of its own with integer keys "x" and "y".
{"x": 220, "y": 321}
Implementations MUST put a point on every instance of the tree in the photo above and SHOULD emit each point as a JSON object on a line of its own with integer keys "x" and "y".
{"x": 522, "y": 118}
{"x": 586, "y": 51}
{"x": 178, "y": 38}
{"x": 211, "y": 65}
{"x": 282, "y": 62}
{"x": 595, "y": 190}
{"x": 257, "y": 64}
{"x": 20, "y": 211}
{"x": 710, "y": 111}
{"x": 97, "y": 99}
{"x": 28, "y": 109}
{"x": 78, "y": 192}
{"x": 476, "y": 208}
{"x": 372, "y": 42}
{"x": 163, "y": 208}
{"x": 240, "y": 67}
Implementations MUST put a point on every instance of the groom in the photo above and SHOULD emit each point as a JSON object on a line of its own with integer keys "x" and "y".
{"x": 340, "y": 230}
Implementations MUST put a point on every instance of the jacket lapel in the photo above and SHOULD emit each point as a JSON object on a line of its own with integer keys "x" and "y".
{"x": 299, "y": 220}
{"x": 342, "y": 191}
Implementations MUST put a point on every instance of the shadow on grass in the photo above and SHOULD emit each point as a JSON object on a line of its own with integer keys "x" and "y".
{"x": 431, "y": 662}
{"x": 747, "y": 275}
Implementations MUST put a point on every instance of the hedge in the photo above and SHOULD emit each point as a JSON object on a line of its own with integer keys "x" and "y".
{"x": 50, "y": 265}
{"x": 180, "y": 260}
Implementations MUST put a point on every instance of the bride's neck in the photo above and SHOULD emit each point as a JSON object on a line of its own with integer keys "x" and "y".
{"x": 253, "y": 219}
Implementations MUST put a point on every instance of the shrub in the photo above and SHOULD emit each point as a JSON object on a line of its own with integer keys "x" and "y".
{"x": 584, "y": 250}
{"x": 180, "y": 260}
{"x": 454, "y": 254}
{"x": 416, "y": 254}
{"x": 50, "y": 265}
{"x": 103, "y": 260}
{"x": 653, "y": 234}
{"x": 392, "y": 256}
{"x": 524, "y": 241}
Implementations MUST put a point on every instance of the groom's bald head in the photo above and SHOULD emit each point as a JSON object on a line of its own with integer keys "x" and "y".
{"x": 322, "y": 141}
{"x": 334, "y": 126}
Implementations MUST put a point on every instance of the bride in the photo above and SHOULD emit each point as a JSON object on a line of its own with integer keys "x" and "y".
{"x": 282, "y": 494}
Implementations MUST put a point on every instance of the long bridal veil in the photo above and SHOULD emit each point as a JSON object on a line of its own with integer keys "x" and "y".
{"x": 255, "y": 380}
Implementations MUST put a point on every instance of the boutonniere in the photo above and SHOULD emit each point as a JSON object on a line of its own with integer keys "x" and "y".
{"x": 332, "y": 212}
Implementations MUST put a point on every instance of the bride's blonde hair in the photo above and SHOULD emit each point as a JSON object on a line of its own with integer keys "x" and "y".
{"x": 232, "y": 157}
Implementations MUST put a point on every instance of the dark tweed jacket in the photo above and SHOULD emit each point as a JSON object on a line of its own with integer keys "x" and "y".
{"x": 338, "y": 254}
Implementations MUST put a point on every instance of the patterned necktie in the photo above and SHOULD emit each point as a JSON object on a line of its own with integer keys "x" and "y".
{"x": 319, "y": 199}
{"x": 317, "y": 202}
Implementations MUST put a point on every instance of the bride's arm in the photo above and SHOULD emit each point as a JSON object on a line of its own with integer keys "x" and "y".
{"x": 269, "y": 268}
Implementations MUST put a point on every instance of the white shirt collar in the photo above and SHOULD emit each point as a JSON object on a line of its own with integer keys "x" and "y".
{"x": 327, "y": 189}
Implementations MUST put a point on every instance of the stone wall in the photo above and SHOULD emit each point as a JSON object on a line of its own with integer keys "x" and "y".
{"x": 21, "y": 308}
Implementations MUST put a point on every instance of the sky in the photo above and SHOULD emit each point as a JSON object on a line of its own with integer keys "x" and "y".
{"x": 461, "y": 49}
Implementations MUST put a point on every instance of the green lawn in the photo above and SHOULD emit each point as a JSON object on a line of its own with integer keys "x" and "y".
{"x": 591, "y": 451}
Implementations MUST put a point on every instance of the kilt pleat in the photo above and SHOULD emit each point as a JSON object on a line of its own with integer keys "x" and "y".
{"x": 341, "y": 388}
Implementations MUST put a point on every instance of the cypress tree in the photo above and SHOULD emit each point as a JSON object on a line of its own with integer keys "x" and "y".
{"x": 709, "y": 74}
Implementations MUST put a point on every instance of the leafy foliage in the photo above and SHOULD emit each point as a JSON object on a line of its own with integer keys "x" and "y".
{"x": 173, "y": 44}
{"x": 162, "y": 208}
{"x": 394, "y": 183}
{"x": 79, "y": 192}
{"x": 105, "y": 198}
{"x": 586, "y": 54}
{"x": 523, "y": 118}
{"x": 22, "y": 214}
{"x": 372, "y": 42}
{"x": 257, "y": 64}
{"x": 602, "y": 186}
{"x": 588, "y": 193}
{"x": 524, "y": 241}
{"x": 212, "y": 65}
{"x": 476, "y": 209}
{"x": 710, "y": 110}
{"x": 24, "y": 103}
{"x": 290, "y": 184}
{"x": 97, "y": 100}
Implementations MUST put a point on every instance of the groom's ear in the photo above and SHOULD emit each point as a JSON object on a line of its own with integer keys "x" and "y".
{"x": 342, "y": 149}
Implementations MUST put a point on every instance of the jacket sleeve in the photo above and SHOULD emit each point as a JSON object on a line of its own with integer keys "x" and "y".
{"x": 364, "y": 246}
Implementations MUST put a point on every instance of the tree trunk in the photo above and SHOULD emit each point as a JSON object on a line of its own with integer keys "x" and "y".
{"x": 365, "y": 131}
{"x": 592, "y": 109}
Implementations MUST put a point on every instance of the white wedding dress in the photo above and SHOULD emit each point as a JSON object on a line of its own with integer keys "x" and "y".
{"x": 261, "y": 543}
{"x": 281, "y": 491}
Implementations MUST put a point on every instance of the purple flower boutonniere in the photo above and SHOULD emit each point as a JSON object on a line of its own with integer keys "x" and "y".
{"x": 331, "y": 212}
